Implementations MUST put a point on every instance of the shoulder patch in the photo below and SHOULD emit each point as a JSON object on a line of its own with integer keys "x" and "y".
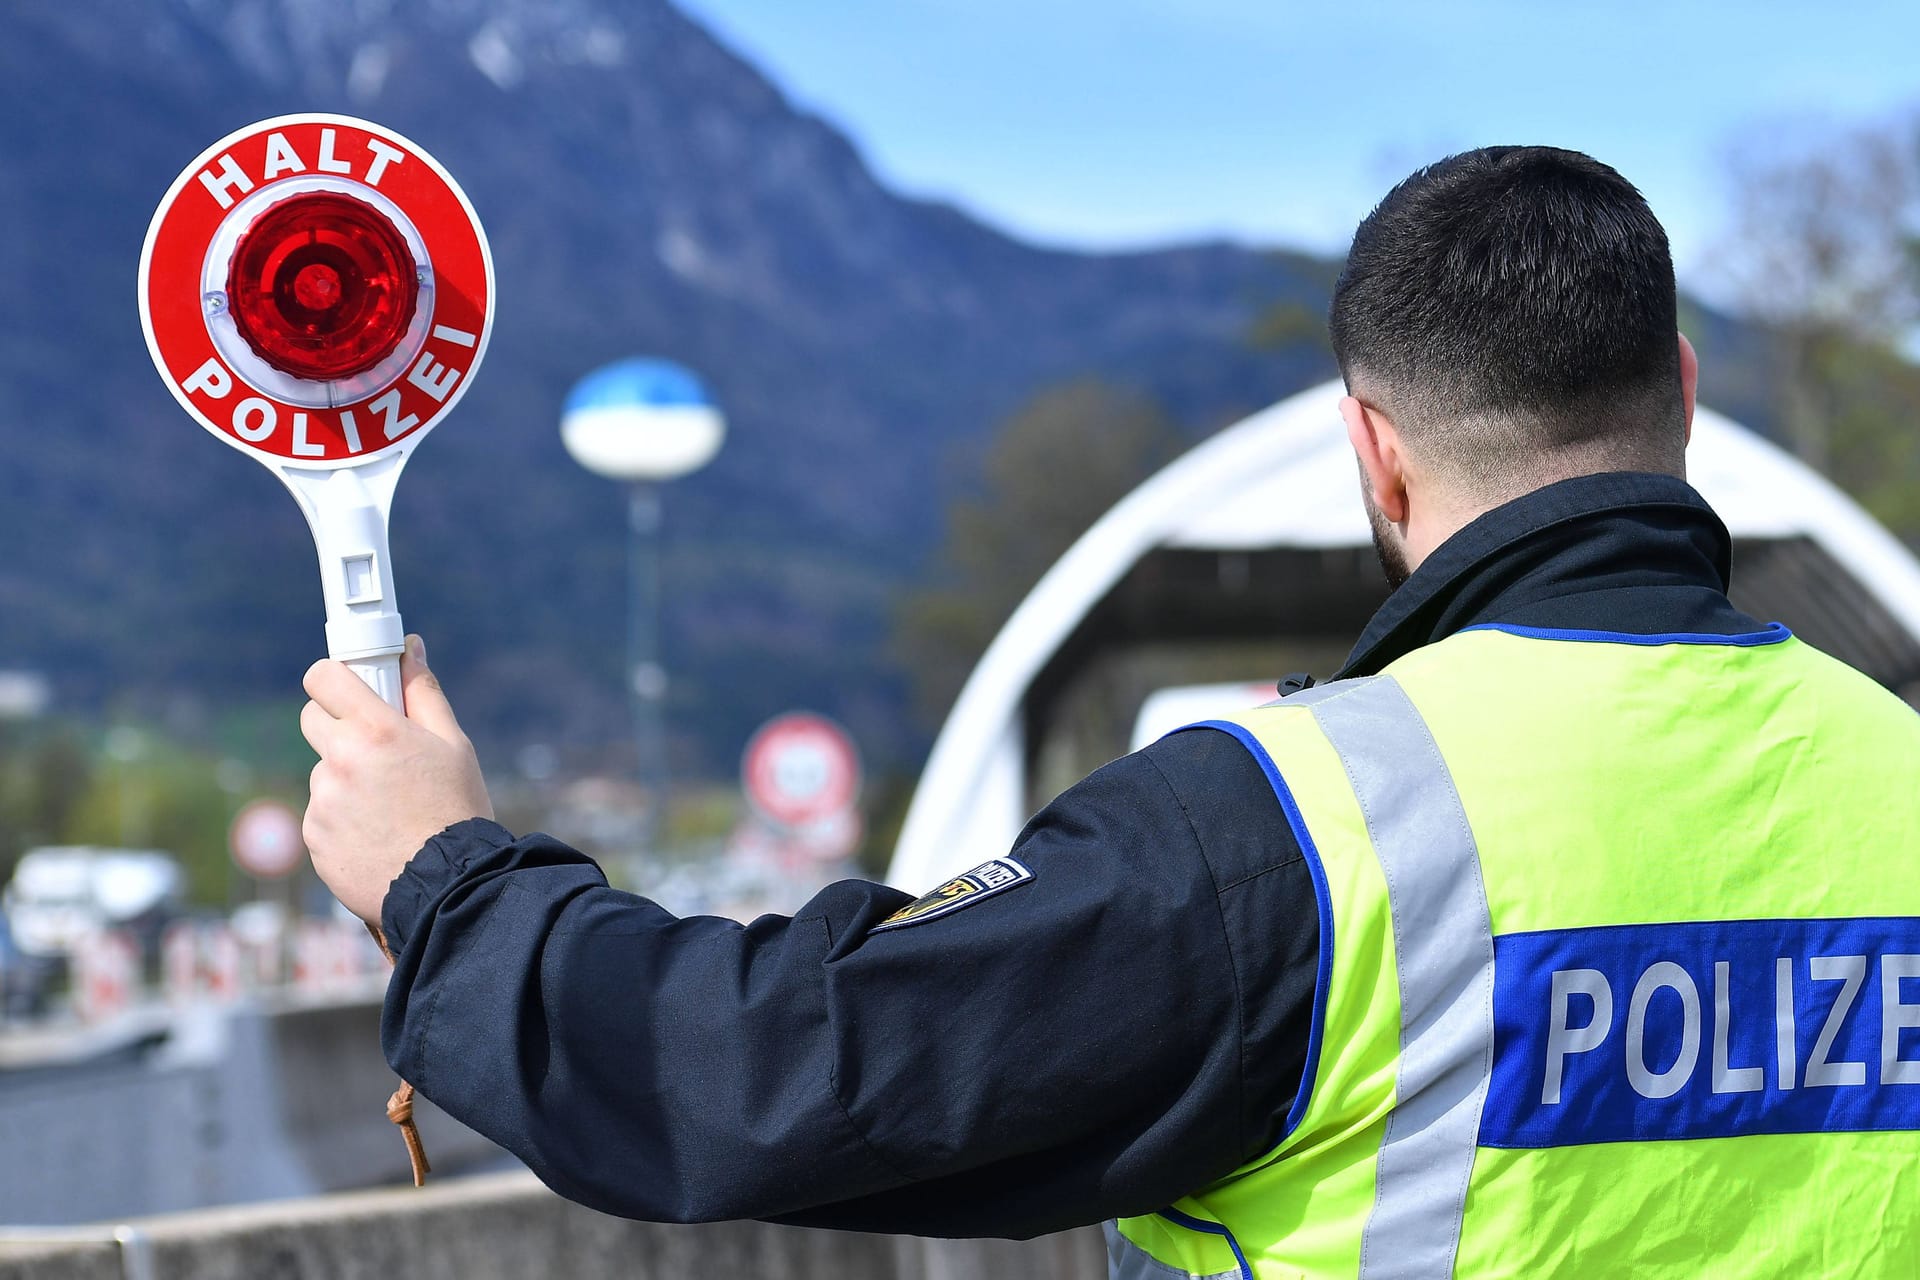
{"x": 983, "y": 881}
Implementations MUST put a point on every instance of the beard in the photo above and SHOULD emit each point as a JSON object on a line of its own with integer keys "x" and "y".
{"x": 1393, "y": 556}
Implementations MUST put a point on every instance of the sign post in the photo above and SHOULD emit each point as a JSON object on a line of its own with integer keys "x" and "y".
{"x": 317, "y": 292}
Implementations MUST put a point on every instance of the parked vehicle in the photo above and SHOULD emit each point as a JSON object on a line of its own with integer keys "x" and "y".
{"x": 25, "y": 981}
{"x": 59, "y": 894}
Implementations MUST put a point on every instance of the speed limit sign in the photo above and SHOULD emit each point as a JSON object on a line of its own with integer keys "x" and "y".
{"x": 265, "y": 839}
{"x": 800, "y": 768}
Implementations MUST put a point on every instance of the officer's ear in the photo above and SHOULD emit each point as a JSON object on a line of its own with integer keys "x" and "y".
{"x": 1376, "y": 442}
{"x": 1689, "y": 380}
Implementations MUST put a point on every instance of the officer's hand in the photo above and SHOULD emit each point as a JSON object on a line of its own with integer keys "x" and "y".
{"x": 386, "y": 783}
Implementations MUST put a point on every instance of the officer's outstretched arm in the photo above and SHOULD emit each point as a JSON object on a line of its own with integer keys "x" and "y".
{"x": 1054, "y": 1042}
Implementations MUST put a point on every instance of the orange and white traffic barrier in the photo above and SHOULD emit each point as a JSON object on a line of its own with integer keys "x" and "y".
{"x": 220, "y": 954}
{"x": 180, "y": 962}
{"x": 106, "y": 970}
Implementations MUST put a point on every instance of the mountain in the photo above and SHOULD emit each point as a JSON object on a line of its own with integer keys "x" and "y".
{"x": 645, "y": 191}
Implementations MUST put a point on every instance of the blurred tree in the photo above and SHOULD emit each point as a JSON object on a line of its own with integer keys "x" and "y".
{"x": 1299, "y": 322}
{"x": 1823, "y": 228}
{"x": 1286, "y": 324}
{"x": 1823, "y": 251}
{"x": 163, "y": 799}
{"x": 134, "y": 788}
{"x": 1052, "y": 468}
{"x": 44, "y": 771}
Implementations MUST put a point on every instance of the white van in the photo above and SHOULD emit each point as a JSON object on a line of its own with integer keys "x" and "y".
{"x": 61, "y": 893}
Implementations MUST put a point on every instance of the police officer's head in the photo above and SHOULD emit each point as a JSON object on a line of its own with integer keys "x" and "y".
{"x": 1505, "y": 320}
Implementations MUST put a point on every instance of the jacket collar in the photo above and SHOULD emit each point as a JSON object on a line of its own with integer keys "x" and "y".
{"x": 1621, "y": 551}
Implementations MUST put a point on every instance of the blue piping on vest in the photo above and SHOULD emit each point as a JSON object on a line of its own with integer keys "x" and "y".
{"x": 1192, "y": 1223}
{"x": 1323, "y": 898}
{"x": 1773, "y": 633}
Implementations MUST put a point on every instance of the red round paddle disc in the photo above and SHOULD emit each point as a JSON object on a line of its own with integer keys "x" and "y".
{"x": 316, "y": 290}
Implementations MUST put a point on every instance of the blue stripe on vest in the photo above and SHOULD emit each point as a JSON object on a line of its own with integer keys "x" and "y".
{"x": 1772, "y": 633}
{"x": 1704, "y": 1030}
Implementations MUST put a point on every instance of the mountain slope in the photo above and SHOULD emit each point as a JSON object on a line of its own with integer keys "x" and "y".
{"x": 645, "y": 190}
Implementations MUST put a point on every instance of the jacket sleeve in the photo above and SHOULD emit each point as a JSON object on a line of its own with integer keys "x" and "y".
{"x": 1058, "y": 1051}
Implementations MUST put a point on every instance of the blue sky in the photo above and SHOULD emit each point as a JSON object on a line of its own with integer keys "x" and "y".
{"x": 1130, "y": 122}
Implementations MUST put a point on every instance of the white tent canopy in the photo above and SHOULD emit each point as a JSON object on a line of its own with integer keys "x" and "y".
{"x": 1285, "y": 477}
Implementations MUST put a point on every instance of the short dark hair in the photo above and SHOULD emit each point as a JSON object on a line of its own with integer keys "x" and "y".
{"x": 1512, "y": 303}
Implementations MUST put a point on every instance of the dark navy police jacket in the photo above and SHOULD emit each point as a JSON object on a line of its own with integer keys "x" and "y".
{"x": 1122, "y": 1028}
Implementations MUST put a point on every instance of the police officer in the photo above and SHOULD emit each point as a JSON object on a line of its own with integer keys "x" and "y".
{"x": 1571, "y": 929}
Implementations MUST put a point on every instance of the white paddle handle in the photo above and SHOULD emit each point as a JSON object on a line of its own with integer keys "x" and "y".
{"x": 382, "y": 674}
{"x": 347, "y": 510}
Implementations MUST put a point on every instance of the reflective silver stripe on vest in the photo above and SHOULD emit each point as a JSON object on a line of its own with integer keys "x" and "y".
{"x": 1128, "y": 1261}
{"x": 1443, "y": 944}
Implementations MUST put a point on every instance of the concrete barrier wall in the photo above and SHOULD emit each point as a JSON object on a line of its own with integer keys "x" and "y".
{"x": 507, "y": 1227}
{"x": 75, "y": 1261}
{"x": 222, "y": 1106}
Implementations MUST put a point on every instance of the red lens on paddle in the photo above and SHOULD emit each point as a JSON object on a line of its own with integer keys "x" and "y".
{"x": 322, "y": 286}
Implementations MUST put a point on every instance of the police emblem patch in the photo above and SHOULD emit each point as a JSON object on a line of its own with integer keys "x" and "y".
{"x": 982, "y": 882}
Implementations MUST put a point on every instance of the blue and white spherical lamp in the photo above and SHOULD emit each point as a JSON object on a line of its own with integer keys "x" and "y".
{"x": 641, "y": 420}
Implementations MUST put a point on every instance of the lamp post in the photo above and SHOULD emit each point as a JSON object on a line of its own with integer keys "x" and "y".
{"x": 643, "y": 422}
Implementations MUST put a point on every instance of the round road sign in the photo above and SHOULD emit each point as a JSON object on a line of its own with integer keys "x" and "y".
{"x": 265, "y": 839}
{"x": 316, "y": 290}
{"x": 800, "y": 768}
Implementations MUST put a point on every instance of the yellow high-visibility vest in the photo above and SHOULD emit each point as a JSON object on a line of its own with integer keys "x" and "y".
{"x": 1619, "y": 971}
